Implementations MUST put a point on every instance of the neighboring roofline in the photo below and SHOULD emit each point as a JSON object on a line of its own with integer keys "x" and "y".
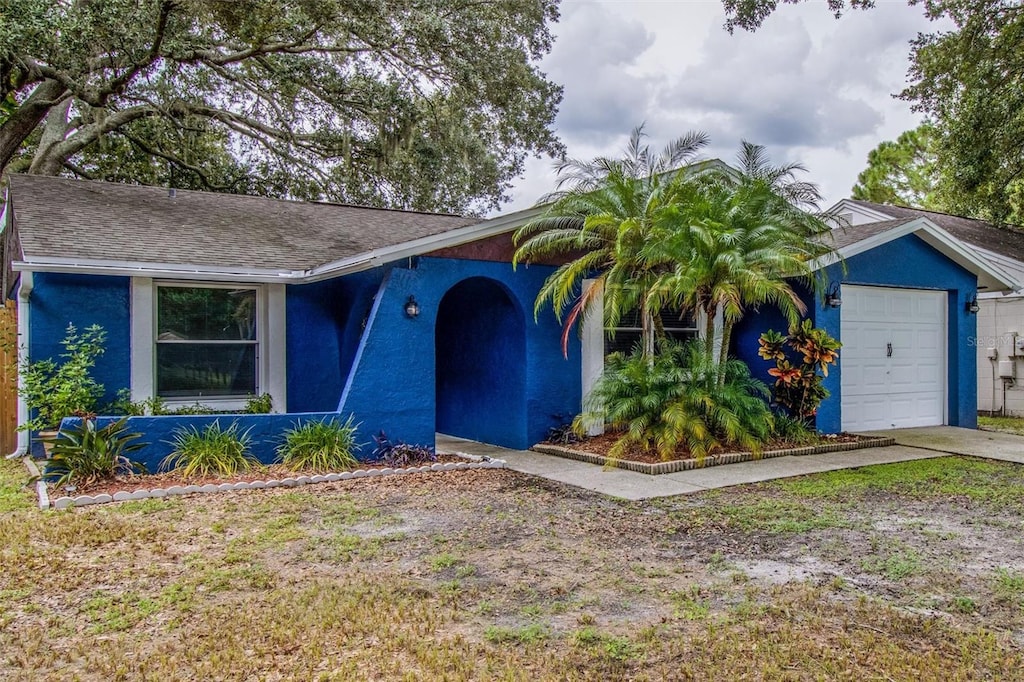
{"x": 363, "y": 261}
{"x": 869, "y": 212}
{"x": 935, "y": 237}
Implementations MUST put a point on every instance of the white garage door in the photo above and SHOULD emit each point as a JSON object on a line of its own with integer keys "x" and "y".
{"x": 893, "y": 358}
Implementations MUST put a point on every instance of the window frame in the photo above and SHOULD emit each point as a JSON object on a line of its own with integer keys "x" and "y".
{"x": 230, "y": 401}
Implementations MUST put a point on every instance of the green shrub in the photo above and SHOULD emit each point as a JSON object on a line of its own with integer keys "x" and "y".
{"x": 137, "y": 408}
{"x": 259, "y": 404}
{"x": 212, "y": 450}
{"x": 54, "y": 390}
{"x": 85, "y": 454}
{"x": 679, "y": 396}
{"x": 793, "y": 430}
{"x": 326, "y": 445}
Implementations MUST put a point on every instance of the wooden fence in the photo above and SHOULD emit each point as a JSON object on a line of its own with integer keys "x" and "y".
{"x": 8, "y": 377}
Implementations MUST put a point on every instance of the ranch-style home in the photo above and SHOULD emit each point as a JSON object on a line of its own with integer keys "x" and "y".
{"x": 417, "y": 323}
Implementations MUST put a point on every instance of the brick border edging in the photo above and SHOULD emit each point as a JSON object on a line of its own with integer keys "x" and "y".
{"x": 709, "y": 461}
{"x": 289, "y": 482}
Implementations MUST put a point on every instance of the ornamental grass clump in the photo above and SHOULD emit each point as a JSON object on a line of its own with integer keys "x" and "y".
{"x": 209, "y": 451}
{"x": 326, "y": 445}
{"x": 86, "y": 454}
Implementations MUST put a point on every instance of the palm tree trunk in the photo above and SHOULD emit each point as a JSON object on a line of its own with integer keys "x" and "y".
{"x": 709, "y": 330}
{"x": 724, "y": 350}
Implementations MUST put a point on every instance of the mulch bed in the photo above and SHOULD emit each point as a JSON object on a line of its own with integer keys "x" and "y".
{"x": 601, "y": 444}
{"x": 168, "y": 479}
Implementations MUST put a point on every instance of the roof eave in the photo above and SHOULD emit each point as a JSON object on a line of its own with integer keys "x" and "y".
{"x": 990, "y": 277}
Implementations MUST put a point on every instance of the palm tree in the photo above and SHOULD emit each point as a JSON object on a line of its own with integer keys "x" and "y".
{"x": 739, "y": 238}
{"x": 602, "y": 221}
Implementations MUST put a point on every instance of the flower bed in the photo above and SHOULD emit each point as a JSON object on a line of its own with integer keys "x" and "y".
{"x": 579, "y": 452}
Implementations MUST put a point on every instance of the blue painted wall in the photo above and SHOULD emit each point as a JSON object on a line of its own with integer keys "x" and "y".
{"x": 266, "y": 432}
{"x": 905, "y": 262}
{"x": 83, "y": 300}
{"x": 325, "y": 323}
{"x": 393, "y": 381}
{"x": 480, "y": 342}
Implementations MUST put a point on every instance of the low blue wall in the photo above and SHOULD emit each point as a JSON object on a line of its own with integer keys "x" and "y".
{"x": 266, "y": 432}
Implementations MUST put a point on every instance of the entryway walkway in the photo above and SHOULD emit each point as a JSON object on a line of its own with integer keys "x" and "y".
{"x": 912, "y": 444}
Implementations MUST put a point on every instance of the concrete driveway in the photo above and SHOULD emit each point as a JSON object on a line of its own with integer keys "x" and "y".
{"x": 957, "y": 441}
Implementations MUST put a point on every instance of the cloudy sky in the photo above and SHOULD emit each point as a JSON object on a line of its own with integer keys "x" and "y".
{"x": 809, "y": 87}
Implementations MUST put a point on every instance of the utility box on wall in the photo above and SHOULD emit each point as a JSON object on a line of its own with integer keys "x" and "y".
{"x": 1007, "y": 369}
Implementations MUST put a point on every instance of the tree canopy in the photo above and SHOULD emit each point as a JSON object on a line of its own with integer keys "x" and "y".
{"x": 903, "y": 172}
{"x": 426, "y": 104}
{"x": 969, "y": 81}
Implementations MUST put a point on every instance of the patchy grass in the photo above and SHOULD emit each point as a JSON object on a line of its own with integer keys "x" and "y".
{"x": 495, "y": 575}
{"x": 1014, "y": 425}
{"x": 16, "y": 490}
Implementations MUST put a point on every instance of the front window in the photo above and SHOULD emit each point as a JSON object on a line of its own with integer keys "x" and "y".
{"x": 625, "y": 337}
{"x": 206, "y": 342}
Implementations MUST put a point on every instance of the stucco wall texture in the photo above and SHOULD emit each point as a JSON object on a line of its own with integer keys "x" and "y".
{"x": 474, "y": 363}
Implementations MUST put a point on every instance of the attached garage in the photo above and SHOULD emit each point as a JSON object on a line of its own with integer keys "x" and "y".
{"x": 902, "y": 302}
{"x": 894, "y": 358}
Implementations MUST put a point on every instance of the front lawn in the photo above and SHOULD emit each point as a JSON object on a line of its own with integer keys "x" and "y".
{"x": 905, "y": 571}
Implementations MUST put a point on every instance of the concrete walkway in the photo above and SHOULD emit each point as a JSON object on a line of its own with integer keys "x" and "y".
{"x": 911, "y": 444}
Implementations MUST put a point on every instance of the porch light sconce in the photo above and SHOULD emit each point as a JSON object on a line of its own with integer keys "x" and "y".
{"x": 972, "y": 306}
{"x": 412, "y": 308}
{"x": 832, "y": 298}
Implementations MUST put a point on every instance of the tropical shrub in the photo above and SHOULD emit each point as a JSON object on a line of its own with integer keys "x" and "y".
{"x": 399, "y": 453}
{"x": 212, "y": 450}
{"x": 54, "y": 390}
{"x": 802, "y": 359}
{"x": 85, "y": 454}
{"x": 679, "y": 397}
{"x": 327, "y": 445}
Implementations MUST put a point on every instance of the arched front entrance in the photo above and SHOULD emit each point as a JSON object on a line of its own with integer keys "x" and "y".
{"x": 480, "y": 355}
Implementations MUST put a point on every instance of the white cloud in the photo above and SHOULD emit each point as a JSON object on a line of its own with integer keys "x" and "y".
{"x": 810, "y": 88}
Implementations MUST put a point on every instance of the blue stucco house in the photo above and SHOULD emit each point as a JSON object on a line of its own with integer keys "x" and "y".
{"x": 417, "y": 323}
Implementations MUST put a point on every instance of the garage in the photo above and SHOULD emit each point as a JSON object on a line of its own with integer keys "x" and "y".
{"x": 894, "y": 367}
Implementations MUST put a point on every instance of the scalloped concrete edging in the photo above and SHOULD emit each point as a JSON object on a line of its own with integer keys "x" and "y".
{"x": 709, "y": 461}
{"x": 68, "y": 502}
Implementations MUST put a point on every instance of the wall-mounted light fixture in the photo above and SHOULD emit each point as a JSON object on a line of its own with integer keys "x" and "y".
{"x": 972, "y": 306}
{"x": 832, "y": 298}
{"x": 412, "y": 308}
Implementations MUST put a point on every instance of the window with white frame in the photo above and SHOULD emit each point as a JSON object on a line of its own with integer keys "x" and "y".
{"x": 625, "y": 337}
{"x": 207, "y": 341}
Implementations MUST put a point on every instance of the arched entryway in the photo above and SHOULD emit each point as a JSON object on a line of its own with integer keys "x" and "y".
{"x": 480, "y": 355}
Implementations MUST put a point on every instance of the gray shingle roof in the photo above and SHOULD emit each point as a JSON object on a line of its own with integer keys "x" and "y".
{"x": 851, "y": 234}
{"x": 89, "y": 220}
{"x": 1007, "y": 241}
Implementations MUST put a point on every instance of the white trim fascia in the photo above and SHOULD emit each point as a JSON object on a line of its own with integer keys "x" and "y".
{"x": 24, "y": 293}
{"x": 274, "y": 379}
{"x": 142, "y": 322}
{"x": 936, "y": 237}
{"x": 847, "y": 205}
{"x": 155, "y": 270}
